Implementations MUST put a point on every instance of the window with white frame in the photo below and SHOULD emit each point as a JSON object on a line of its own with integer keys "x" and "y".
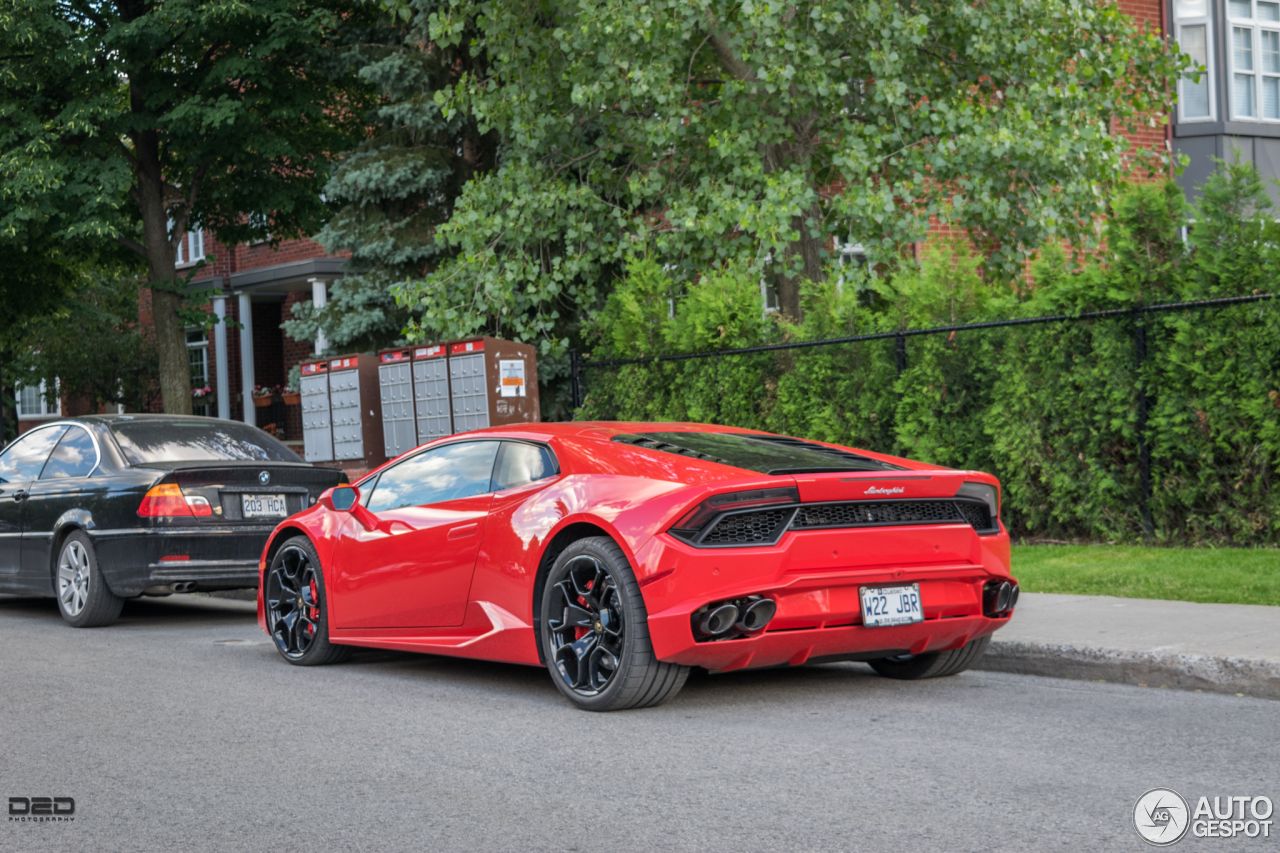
{"x": 1255, "y": 59}
{"x": 32, "y": 402}
{"x": 190, "y": 247}
{"x": 1195, "y": 38}
{"x": 198, "y": 360}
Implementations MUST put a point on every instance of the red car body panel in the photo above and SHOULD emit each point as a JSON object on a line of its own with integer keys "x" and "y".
{"x": 458, "y": 578}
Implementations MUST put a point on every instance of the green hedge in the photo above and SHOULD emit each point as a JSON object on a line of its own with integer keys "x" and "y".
{"x": 1050, "y": 409}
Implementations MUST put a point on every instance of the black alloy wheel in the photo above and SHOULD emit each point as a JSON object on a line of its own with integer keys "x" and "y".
{"x": 588, "y": 634}
{"x": 595, "y": 632}
{"x": 295, "y": 608}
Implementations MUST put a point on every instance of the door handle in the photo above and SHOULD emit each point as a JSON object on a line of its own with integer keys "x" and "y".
{"x": 20, "y": 495}
{"x": 463, "y": 530}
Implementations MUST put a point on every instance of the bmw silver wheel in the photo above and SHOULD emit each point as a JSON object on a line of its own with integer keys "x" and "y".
{"x": 73, "y": 578}
{"x": 84, "y": 595}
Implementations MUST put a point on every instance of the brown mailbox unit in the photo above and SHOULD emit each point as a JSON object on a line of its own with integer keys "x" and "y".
{"x": 355, "y": 410}
{"x": 492, "y": 382}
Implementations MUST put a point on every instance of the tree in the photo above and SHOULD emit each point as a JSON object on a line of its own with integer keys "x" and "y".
{"x": 107, "y": 360}
{"x": 711, "y": 130}
{"x": 398, "y": 185}
{"x": 172, "y": 115}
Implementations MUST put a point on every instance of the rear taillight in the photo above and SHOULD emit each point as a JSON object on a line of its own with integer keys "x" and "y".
{"x": 167, "y": 501}
{"x": 697, "y": 518}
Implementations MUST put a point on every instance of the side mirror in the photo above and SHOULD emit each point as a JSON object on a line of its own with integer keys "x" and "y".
{"x": 341, "y": 498}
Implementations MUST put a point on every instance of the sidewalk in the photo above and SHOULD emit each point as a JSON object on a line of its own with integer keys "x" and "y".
{"x": 1222, "y": 648}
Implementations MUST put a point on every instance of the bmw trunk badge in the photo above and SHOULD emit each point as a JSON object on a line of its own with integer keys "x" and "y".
{"x": 264, "y": 477}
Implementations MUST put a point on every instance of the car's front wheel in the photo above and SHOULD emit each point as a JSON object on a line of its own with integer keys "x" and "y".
{"x": 933, "y": 664}
{"x": 595, "y": 632}
{"x": 295, "y": 606}
{"x": 84, "y": 599}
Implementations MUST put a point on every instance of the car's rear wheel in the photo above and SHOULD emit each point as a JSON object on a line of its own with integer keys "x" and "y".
{"x": 83, "y": 597}
{"x": 295, "y": 606}
{"x": 595, "y": 632}
{"x": 933, "y": 664}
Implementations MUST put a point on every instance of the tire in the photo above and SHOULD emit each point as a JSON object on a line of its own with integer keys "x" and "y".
{"x": 294, "y": 600}
{"x": 84, "y": 600}
{"x": 933, "y": 664}
{"x": 597, "y": 644}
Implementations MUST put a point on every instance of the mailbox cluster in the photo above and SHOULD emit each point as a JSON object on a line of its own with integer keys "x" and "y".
{"x": 432, "y": 391}
{"x": 365, "y": 409}
{"x": 340, "y": 411}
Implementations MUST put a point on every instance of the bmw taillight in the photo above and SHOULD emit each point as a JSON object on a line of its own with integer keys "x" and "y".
{"x": 166, "y": 500}
{"x": 698, "y": 517}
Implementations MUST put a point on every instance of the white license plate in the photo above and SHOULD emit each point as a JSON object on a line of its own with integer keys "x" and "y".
{"x": 891, "y": 605}
{"x": 263, "y": 506}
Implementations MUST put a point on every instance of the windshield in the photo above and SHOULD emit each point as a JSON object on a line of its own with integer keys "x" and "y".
{"x": 765, "y": 454}
{"x": 197, "y": 440}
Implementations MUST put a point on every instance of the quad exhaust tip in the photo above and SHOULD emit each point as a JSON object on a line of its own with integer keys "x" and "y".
{"x": 999, "y": 599}
{"x": 756, "y": 615}
{"x": 731, "y": 618}
{"x": 718, "y": 620}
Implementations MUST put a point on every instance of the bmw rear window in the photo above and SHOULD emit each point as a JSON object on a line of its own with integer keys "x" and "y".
{"x": 163, "y": 440}
{"x": 765, "y": 454}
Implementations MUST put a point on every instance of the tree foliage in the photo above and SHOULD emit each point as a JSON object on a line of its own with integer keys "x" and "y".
{"x": 1051, "y": 409}
{"x": 137, "y": 120}
{"x": 399, "y": 184}
{"x": 91, "y": 349}
{"x": 706, "y": 131}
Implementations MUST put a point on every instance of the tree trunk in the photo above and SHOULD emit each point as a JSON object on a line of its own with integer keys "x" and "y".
{"x": 154, "y": 198}
{"x": 775, "y": 157}
{"x": 809, "y": 249}
{"x": 171, "y": 344}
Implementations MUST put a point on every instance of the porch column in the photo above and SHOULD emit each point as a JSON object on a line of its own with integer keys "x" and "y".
{"x": 222, "y": 382}
{"x": 319, "y": 296}
{"x": 246, "y": 358}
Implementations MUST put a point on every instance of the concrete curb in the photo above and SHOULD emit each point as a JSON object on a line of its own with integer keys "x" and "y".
{"x": 1250, "y": 676}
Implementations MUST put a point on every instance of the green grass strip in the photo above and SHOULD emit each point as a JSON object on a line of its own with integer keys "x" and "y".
{"x": 1223, "y": 575}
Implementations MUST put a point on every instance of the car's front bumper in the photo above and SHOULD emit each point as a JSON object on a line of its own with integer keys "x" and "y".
{"x": 205, "y": 558}
{"x": 819, "y": 614}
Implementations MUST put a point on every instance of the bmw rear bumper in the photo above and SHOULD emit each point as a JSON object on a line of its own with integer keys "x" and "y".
{"x": 203, "y": 558}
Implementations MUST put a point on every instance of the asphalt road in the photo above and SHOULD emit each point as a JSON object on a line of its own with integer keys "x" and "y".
{"x": 180, "y": 729}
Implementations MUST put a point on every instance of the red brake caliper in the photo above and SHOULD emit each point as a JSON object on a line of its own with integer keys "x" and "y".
{"x": 580, "y": 632}
{"x": 315, "y": 611}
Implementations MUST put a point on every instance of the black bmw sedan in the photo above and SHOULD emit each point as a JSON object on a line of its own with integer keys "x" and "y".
{"x": 97, "y": 509}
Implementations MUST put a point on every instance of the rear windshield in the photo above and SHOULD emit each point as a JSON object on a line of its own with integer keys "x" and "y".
{"x": 197, "y": 440}
{"x": 766, "y": 454}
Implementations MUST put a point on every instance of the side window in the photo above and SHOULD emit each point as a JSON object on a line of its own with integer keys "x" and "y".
{"x": 75, "y": 456}
{"x": 521, "y": 464}
{"x": 443, "y": 474}
{"x": 22, "y": 460}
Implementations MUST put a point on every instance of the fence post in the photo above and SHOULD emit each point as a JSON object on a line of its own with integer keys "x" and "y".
{"x": 900, "y": 341}
{"x": 1144, "y": 449}
{"x": 575, "y": 379}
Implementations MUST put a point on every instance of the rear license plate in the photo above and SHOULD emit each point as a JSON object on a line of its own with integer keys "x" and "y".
{"x": 263, "y": 506}
{"x": 891, "y": 605}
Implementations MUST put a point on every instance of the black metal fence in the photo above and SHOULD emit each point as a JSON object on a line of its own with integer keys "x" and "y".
{"x": 1211, "y": 364}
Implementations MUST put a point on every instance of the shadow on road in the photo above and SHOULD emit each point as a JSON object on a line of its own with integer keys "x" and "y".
{"x": 172, "y": 611}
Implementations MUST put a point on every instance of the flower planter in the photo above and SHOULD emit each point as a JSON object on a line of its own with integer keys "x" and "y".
{"x": 263, "y": 401}
{"x": 292, "y": 399}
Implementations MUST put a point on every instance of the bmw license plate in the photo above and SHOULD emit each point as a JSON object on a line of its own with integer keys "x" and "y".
{"x": 263, "y": 506}
{"x": 891, "y": 605}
